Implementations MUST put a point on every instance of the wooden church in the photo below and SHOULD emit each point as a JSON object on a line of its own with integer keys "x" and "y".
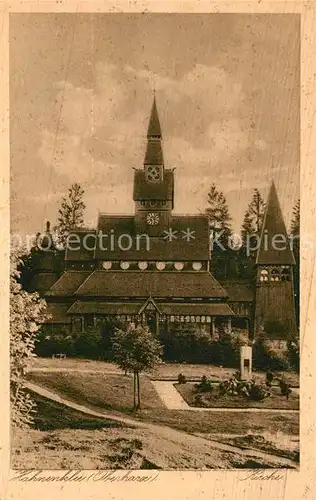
{"x": 154, "y": 266}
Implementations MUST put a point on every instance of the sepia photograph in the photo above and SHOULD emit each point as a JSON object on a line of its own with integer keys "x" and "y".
{"x": 155, "y": 241}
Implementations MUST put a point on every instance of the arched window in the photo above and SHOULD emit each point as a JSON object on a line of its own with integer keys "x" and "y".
{"x": 264, "y": 275}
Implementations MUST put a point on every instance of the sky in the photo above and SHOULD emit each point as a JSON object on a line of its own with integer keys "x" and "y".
{"x": 81, "y": 89}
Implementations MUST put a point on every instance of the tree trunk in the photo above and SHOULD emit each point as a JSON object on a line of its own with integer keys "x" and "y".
{"x": 134, "y": 390}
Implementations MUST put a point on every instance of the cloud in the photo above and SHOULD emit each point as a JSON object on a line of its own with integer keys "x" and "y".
{"x": 102, "y": 131}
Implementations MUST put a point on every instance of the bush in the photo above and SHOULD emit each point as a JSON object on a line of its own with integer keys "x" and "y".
{"x": 257, "y": 392}
{"x": 293, "y": 351}
{"x": 53, "y": 339}
{"x": 249, "y": 389}
{"x": 182, "y": 379}
{"x": 285, "y": 388}
{"x": 264, "y": 358}
{"x": 269, "y": 378}
{"x": 204, "y": 386}
{"x": 87, "y": 344}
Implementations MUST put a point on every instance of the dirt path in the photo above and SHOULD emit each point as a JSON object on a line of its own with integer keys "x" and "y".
{"x": 167, "y": 432}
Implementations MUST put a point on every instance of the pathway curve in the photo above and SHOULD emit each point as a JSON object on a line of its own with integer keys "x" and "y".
{"x": 164, "y": 431}
{"x": 174, "y": 401}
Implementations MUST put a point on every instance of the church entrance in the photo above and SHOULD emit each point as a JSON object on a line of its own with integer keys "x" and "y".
{"x": 151, "y": 320}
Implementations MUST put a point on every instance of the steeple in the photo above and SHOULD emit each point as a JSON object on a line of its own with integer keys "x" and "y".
{"x": 274, "y": 245}
{"x": 154, "y": 154}
{"x": 154, "y": 130}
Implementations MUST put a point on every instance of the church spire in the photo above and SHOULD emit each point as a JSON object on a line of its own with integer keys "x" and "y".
{"x": 154, "y": 129}
{"x": 154, "y": 154}
{"x": 274, "y": 245}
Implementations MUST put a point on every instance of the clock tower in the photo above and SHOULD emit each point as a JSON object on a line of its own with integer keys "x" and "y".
{"x": 153, "y": 185}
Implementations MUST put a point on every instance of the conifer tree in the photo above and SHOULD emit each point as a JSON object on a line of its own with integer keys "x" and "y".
{"x": 70, "y": 213}
{"x": 250, "y": 234}
{"x": 253, "y": 219}
{"x": 222, "y": 256}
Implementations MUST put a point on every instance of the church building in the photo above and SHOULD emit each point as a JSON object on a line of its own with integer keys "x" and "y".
{"x": 154, "y": 266}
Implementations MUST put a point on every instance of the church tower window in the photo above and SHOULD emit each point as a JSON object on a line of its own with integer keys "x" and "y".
{"x": 197, "y": 266}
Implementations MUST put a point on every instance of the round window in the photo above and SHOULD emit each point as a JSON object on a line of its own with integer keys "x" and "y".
{"x": 197, "y": 266}
{"x": 107, "y": 264}
{"x": 178, "y": 266}
{"x": 160, "y": 266}
{"x": 142, "y": 265}
{"x": 125, "y": 265}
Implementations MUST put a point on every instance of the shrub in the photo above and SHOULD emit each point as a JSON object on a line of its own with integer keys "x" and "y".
{"x": 269, "y": 378}
{"x": 87, "y": 344}
{"x": 257, "y": 392}
{"x": 182, "y": 379}
{"x": 204, "y": 386}
{"x": 285, "y": 388}
{"x": 53, "y": 339}
{"x": 265, "y": 358}
{"x": 249, "y": 389}
{"x": 293, "y": 352}
{"x": 198, "y": 400}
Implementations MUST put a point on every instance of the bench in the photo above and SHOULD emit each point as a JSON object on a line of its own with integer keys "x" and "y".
{"x": 59, "y": 356}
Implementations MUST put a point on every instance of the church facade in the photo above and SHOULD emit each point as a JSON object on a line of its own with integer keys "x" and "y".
{"x": 154, "y": 266}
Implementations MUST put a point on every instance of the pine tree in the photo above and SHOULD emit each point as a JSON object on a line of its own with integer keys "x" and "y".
{"x": 253, "y": 219}
{"x": 295, "y": 241}
{"x": 295, "y": 223}
{"x": 250, "y": 234}
{"x": 70, "y": 214}
{"x": 222, "y": 257}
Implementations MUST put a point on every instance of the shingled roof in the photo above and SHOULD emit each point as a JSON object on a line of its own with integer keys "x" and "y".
{"x": 157, "y": 284}
{"x": 58, "y": 313}
{"x": 238, "y": 290}
{"x": 273, "y": 251}
{"x": 93, "y": 307}
{"x": 197, "y": 248}
{"x": 154, "y": 129}
{"x": 80, "y": 245}
{"x": 67, "y": 284}
{"x": 42, "y": 282}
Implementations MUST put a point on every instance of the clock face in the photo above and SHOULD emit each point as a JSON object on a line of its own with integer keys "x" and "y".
{"x": 152, "y": 219}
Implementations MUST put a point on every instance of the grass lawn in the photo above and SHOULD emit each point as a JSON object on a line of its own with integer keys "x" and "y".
{"x": 63, "y": 438}
{"x": 164, "y": 371}
{"x": 115, "y": 392}
{"x": 215, "y": 400}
